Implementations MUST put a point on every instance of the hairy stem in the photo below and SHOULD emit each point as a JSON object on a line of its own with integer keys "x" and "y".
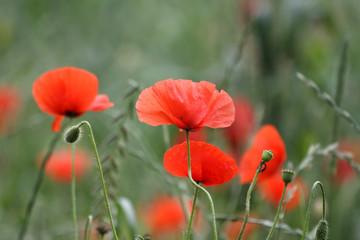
{"x": 307, "y": 219}
{"x": 192, "y": 213}
{"x": 277, "y": 214}
{"x": 101, "y": 175}
{"x": 248, "y": 196}
{"x": 200, "y": 187}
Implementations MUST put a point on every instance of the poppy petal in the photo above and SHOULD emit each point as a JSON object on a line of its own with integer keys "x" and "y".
{"x": 100, "y": 103}
{"x": 56, "y": 125}
{"x": 186, "y": 104}
{"x": 219, "y": 108}
{"x": 209, "y": 165}
{"x": 267, "y": 138}
{"x": 64, "y": 91}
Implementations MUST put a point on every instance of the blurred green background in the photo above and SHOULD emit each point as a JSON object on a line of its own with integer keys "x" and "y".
{"x": 149, "y": 41}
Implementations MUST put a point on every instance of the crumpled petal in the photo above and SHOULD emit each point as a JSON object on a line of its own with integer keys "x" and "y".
{"x": 267, "y": 138}
{"x": 209, "y": 165}
{"x": 188, "y": 105}
{"x": 101, "y": 103}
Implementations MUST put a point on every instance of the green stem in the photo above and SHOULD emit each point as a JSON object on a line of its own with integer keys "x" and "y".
{"x": 247, "y": 202}
{"x": 101, "y": 175}
{"x": 200, "y": 187}
{"x": 335, "y": 130}
{"x": 73, "y": 191}
{"x": 307, "y": 219}
{"x": 37, "y": 186}
{"x": 87, "y": 231}
{"x": 277, "y": 214}
{"x": 192, "y": 213}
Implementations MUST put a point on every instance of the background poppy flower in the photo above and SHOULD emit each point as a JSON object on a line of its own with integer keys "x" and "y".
{"x": 232, "y": 230}
{"x": 10, "y": 102}
{"x": 267, "y": 138}
{"x": 59, "y": 166}
{"x": 165, "y": 217}
{"x": 209, "y": 165}
{"x": 187, "y": 104}
{"x": 272, "y": 188}
{"x": 238, "y": 133}
{"x": 68, "y": 92}
{"x": 344, "y": 172}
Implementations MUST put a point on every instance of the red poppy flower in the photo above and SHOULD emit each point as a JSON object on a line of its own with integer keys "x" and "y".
{"x": 267, "y": 138}
{"x": 59, "y": 166}
{"x": 239, "y": 132}
{"x": 272, "y": 188}
{"x": 233, "y": 229}
{"x": 344, "y": 172}
{"x": 209, "y": 165}
{"x": 68, "y": 92}
{"x": 187, "y": 104}
{"x": 9, "y": 106}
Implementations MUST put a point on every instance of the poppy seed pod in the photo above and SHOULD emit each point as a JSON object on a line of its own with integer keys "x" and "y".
{"x": 267, "y": 155}
{"x": 287, "y": 175}
{"x": 72, "y": 135}
{"x": 322, "y": 230}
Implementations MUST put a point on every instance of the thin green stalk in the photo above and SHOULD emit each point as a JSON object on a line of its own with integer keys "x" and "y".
{"x": 192, "y": 213}
{"x": 277, "y": 214}
{"x": 37, "y": 186}
{"x": 101, "y": 175}
{"x": 307, "y": 219}
{"x": 200, "y": 187}
{"x": 247, "y": 202}
{"x": 335, "y": 130}
{"x": 87, "y": 231}
{"x": 73, "y": 191}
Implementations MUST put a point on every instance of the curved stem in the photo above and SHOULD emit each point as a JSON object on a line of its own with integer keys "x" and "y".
{"x": 192, "y": 213}
{"x": 200, "y": 187}
{"x": 37, "y": 186}
{"x": 73, "y": 191}
{"x": 307, "y": 219}
{"x": 248, "y": 196}
{"x": 101, "y": 175}
{"x": 277, "y": 214}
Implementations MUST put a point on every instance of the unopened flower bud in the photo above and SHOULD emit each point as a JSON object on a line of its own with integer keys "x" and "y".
{"x": 267, "y": 155}
{"x": 287, "y": 175}
{"x": 72, "y": 134}
{"x": 322, "y": 230}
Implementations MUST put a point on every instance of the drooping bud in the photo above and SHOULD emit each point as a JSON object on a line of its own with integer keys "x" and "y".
{"x": 267, "y": 155}
{"x": 287, "y": 175}
{"x": 322, "y": 230}
{"x": 72, "y": 134}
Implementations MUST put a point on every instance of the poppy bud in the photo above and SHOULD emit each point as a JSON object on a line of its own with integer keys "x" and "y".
{"x": 322, "y": 230}
{"x": 267, "y": 155}
{"x": 72, "y": 134}
{"x": 287, "y": 175}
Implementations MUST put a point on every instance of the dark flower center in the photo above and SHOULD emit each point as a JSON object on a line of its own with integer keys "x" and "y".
{"x": 71, "y": 114}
